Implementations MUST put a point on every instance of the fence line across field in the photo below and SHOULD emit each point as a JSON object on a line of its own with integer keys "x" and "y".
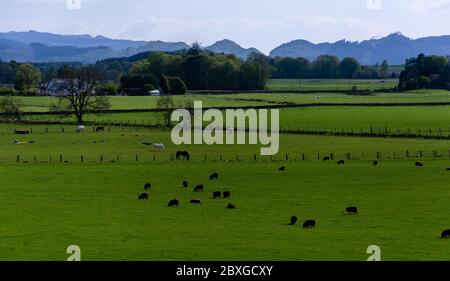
{"x": 112, "y": 125}
{"x": 165, "y": 157}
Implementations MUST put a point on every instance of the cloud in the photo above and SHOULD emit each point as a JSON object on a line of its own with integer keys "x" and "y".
{"x": 429, "y": 6}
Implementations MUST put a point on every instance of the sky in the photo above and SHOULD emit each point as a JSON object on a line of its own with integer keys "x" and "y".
{"x": 264, "y": 24}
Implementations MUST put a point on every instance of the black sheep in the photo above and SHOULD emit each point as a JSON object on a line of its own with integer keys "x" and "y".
{"x": 294, "y": 220}
{"x": 216, "y": 195}
{"x": 352, "y": 210}
{"x": 445, "y": 234}
{"x": 309, "y": 224}
{"x": 198, "y": 188}
{"x": 143, "y": 196}
{"x": 173, "y": 203}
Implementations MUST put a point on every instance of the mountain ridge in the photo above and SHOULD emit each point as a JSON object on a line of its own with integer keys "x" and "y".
{"x": 34, "y": 46}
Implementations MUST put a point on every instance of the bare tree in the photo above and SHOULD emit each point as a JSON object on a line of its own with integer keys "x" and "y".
{"x": 78, "y": 93}
{"x": 166, "y": 105}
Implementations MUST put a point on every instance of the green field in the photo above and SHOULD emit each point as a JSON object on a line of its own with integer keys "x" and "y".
{"x": 404, "y": 119}
{"x": 421, "y": 96}
{"x": 67, "y": 188}
{"x": 93, "y": 204}
{"x": 41, "y": 104}
{"x": 329, "y": 84}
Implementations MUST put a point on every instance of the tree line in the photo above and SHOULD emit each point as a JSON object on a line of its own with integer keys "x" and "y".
{"x": 327, "y": 67}
{"x": 199, "y": 70}
{"x": 195, "y": 69}
{"x": 425, "y": 72}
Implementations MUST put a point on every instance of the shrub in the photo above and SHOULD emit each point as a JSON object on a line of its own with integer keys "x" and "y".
{"x": 7, "y": 91}
{"x": 11, "y": 106}
{"x": 148, "y": 87}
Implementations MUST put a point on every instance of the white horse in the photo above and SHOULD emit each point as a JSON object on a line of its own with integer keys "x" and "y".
{"x": 80, "y": 128}
{"x": 159, "y": 147}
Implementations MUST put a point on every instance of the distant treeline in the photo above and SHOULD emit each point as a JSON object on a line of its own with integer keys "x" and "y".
{"x": 327, "y": 67}
{"x": 425, "y": 72}
{"x": 200, "y": 70}
{"x": 197, "y": 69}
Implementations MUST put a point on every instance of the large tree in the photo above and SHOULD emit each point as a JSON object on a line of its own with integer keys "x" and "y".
{"x": 78, "y": 95}
{"x": 348, "y": 67}
{"x": 27, "y": 76}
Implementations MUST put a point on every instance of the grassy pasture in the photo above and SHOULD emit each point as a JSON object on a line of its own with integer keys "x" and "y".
{"x": 47, "y": 206}
{"x": 128, "y": 143}
{"x": 403, "y": 209}
{"x": 330, "y": 118}
{"x": 422, "y": 96}
{"x": 41, "y": 104}
{"x": 330, "y": 84}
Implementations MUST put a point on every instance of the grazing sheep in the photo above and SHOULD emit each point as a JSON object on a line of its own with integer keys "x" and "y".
{"x": 196, "y": 201}
{"x": 231, "y": 206}
{"x": 352, "y": 210}
{"x": 341, "y": 162}
{"x": 282, "y": 169}
{"x": 199, "y": 188}
{"x": 216, "y": 195}
{"x": 214, "y": 176}
{"x": 173, "y": 203}
{"x": 294, "y": 220}
{"x": 80, "y": 129}
{"x": 143, "y": 196}
{"x": 159, "y": 146}
{"x": 185, "y": 184}
{"x": 445, "y": 234}
{"x": 326, "y": 158}
{"x": 309, "y": 224}
{"x": 375, "y": 163}
{"x": 226, "y": 194}
{"x": 182, "y": 154}
{"x": 148, "y": 186}
{"x": 418, "y": 164}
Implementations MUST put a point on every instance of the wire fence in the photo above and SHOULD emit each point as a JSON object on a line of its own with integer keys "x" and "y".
{"x": 372, "y": 131}
{"x": 247, "y": 158}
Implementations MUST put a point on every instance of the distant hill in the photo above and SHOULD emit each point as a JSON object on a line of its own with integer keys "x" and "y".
{"x": 33, "y": 46}
{"x": 395, "y": 48}
{"x": 36, "y": 52}
{"x": 81, "y": 41}
{"x": 229, "y": 47}
{"x": 160, "y": 46}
